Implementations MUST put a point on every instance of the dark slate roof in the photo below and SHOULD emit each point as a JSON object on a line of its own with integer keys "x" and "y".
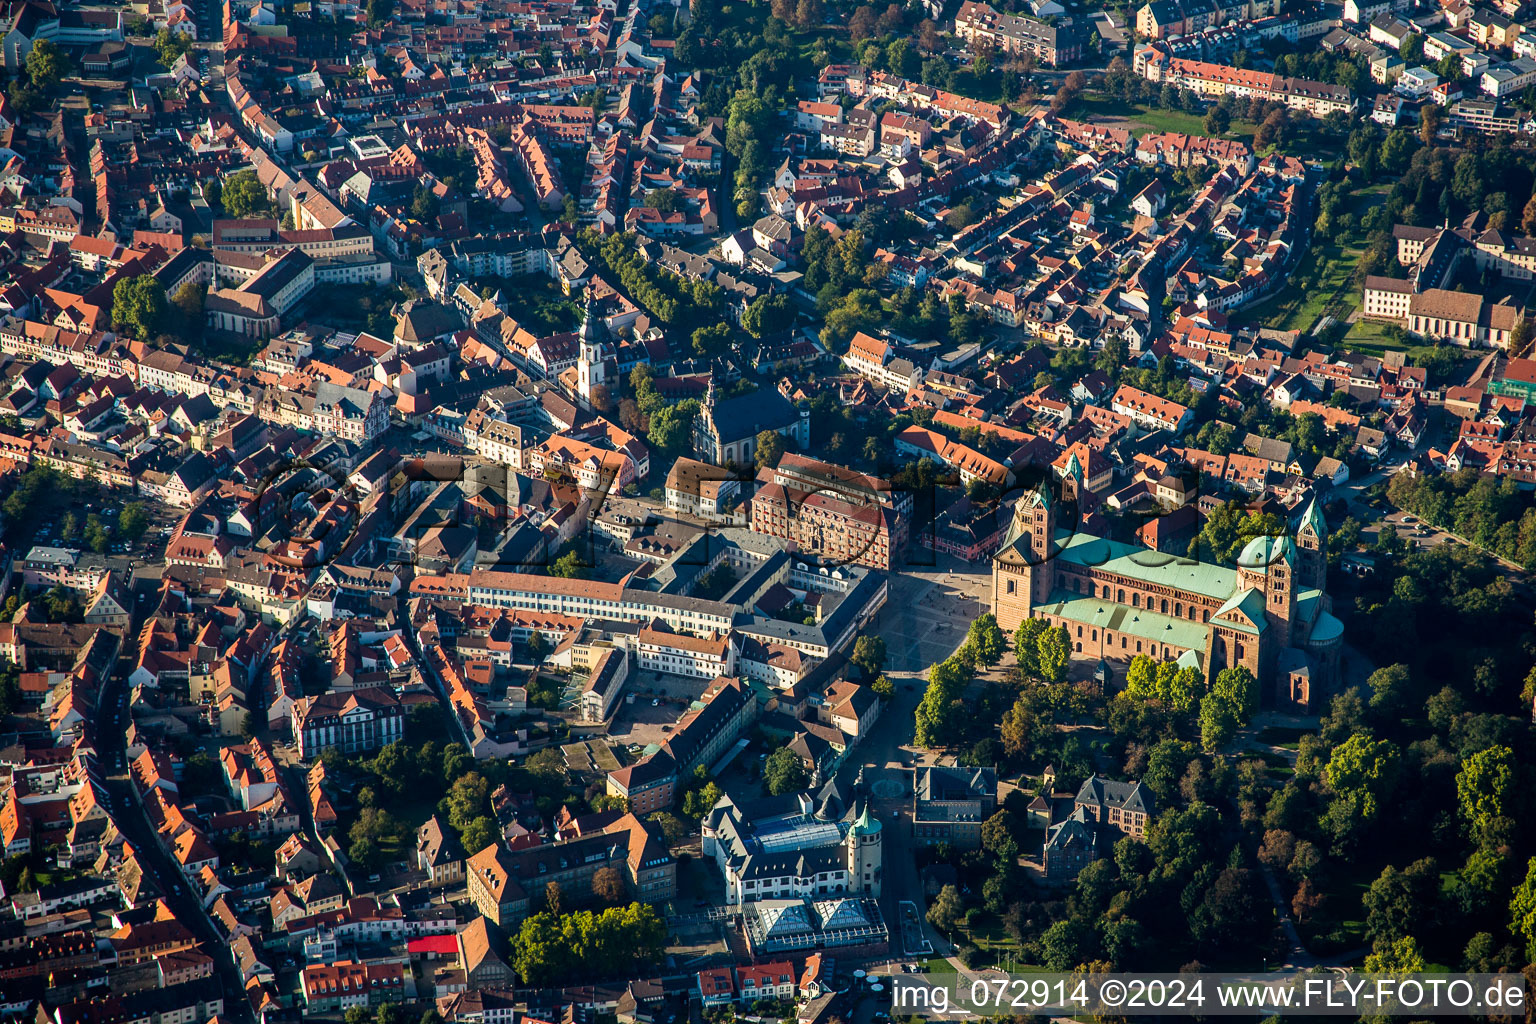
{"x": 1101, "y": 792}
{"x": 747, "y": 415}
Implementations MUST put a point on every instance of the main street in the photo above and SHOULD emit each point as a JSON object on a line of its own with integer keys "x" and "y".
{"x": 925, "y": 618}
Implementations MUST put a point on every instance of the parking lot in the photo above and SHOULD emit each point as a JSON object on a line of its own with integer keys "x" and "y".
{"x": 658, "y": 703}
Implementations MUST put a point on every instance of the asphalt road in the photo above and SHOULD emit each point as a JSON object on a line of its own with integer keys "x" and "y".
{"x": 924, "y": 620}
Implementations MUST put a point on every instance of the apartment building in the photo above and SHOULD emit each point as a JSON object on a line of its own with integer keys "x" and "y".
{"x": 1059, "y": 43}
{"x": 679, "y": 654}
{"x": 877, "y": 360}
{"x": 1150, "y": 411}
{"x": 1318, "y": 99}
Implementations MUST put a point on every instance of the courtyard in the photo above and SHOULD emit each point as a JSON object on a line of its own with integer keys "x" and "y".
{"x": 658, "y": 702}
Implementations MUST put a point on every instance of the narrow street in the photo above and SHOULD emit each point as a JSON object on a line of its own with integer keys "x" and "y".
{"x": 109, "y": 731}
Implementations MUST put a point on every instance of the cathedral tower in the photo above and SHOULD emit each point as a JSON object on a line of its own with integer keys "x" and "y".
{"x": 1268, "y": 565}
{"x": 1022, "y": 572}
{"x": 1312, "y": 552}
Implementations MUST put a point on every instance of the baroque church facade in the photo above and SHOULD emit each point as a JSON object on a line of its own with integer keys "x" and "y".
{"x": 1269, "y": 614}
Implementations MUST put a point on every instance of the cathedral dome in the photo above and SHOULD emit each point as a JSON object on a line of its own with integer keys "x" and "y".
{"x": 1265, "y": 551}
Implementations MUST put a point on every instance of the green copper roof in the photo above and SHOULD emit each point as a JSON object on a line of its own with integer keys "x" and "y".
{"x": 1123, "y": 619}
{"x": 1146, "y": 565}
{"x": 1317, "y": 625}
{"x": 1264, "y": 551}
{"x": 1249, "y": 609}
{"x": 867, "y": 824}
{"x": 1312, "y": 519}
{"x": 1326, "y": 629}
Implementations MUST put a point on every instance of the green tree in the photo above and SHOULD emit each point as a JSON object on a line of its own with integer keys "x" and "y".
{"x": 133, "y": 520}
{"x": 96, "y": 536}
{"x": 939, "y": 713}
{"x": 569, "y": 566}
{"x": 10, "y": 691}
{"x": 768, "y": 314}
{"x": 46, "y": 64}
{"x": 1390, "y": 688}
{"x": 784, "y": 772}
{"x": 883, "y": 688}
{"x": 365, "y": 853}
{"x": 1141, "y": 678}
{"x": 467, "y": 799}
{"x": 243, "y": 195}
{"x": 1053, "y": 651}
{"x": 1237, "y": 687}
{"x": 1467, "y": 181}
{"x": 1026, "y": 645}
{"x": 138, "y": 305}
{"x": 1066, "y": 944}
{"x": 946, "y": 911}
{"x": 1522, "y": 908}
{"x": 664, "y": 200}
{"x": 1184, "y": 689}
{"x": 711, "y": 340}
{"x": 869, "y": 653}
{"x": 169, "y": 46}
{"x": 770, "y": 447}
{"x": 698, "y": 802}
{"x": 1398, "y": 902}
{"x": 541, "y": 949}
{"x": 1363, "y": 773}
{"x": 673, "y": 829}
{"x": 1218, "y": 724}
{"x": 425, "y": 205}
{"x": 1400, "y": 956}
{"x": 1485, "y": 789}
{"x": 1397, "y": 150}
{"x": 1167, "y": 762}
{"x": 23, "y": 98}
{"x": 1000, "y": 830}
{"x": 986, "y": 640}
{"x": 537, "y": 647}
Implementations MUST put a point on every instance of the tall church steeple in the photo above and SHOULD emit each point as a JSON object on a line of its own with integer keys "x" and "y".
{"x": 591, "y": 372}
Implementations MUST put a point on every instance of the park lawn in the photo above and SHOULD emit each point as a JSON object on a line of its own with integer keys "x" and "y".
{"x": 939, "y": 965}
{"x": 1323, "y": 283}
{"x": 1320, "y": 284}
{"x": 1369, "y": 337}
{"x": 1152, "y": 119}
{"x": 1306, "y": 140}
{"x": 1345, "y": 917}
{"x": 1288, "y": 737}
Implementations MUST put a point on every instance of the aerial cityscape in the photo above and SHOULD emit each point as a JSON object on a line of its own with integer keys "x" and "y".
{"x": 640, "y": 512}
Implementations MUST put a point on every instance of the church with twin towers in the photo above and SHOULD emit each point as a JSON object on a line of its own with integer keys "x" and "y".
{"x": 1271, "y": 613}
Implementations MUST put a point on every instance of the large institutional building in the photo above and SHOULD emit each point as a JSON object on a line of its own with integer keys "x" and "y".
{"x": 1119, "y": 600}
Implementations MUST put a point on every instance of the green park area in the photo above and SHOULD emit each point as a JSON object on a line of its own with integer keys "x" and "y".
{"x": 1323, "y": 283}
{"x": 1142, "y": 118}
